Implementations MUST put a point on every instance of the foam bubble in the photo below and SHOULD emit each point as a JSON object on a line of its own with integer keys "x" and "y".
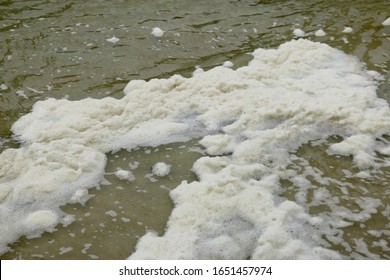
{"x": 111, "y": 213}
{"x": 228, "y": 64}
{"x": 157, "y": 32}
{"x": 320, "y": 33}
{"x": 21, "y": 93}
{"x": 299, "y": 32}
{"x": 134, "y": 165}
{"x": 347, "y": 30}
{"x": 113, "y": 40}
{"x": 64, "y": 250}
{"x": 161, "y": 169}
{"x": 125, "y": 175}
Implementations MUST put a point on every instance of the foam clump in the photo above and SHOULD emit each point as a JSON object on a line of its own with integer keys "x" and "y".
{"x": 386, "y": 22}
{"x": 113, "y": 40}
{"x": 125, "y": 175}
{"x": 347, "y": 30}
{"x": 111, "y": 213}
{"x": 37, "y": 179}
{"x": 228, "y": 64}
{"x": 320, "y": 33}
{"x": 161, "y": 169}
{"x": 360, "y": 147}
{"x": 250, "y": 121}
{"x": 157, "y": 32}
{"x": 299, "y": 32}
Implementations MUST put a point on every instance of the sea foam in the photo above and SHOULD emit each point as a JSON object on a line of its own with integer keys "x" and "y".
{"x": 250, "y": 120}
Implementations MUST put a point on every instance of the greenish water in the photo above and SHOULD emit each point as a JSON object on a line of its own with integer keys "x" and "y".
{"x": 59, "y": 49}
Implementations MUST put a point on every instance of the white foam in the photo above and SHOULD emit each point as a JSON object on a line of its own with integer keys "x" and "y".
{"x": 360, "y": 146}
{"x": 21, "y": 93}
{"x": 250, "y": 120}
{"x": 64, "y": 250}
{"x": 161, "y": 169}
{"x": 386, "y": 22}
{"x": 86, "y": 247}
{"x": 80, "y": 195}
{"x": 198, "y": 70}
{"x": 228, "y": 64}
{"x": 113, "y": 40}
{"x": 36, "y": 179}
{"x": 134, "y": 165}
{"x": 111, "y": 213}
{"x": 125, "y": 220}
{"x": 320, "y": 33}
{"x": 35, "y": 90}
{"x": 41, "y": 219}
{"x": 157, "y": 32}
{"x": 347, "y": 30}
{"x": 299, "y": 32}
{"x": 125, "y": 175}
{"x": 3, "y": 87}
{"x": 151, "y": 178}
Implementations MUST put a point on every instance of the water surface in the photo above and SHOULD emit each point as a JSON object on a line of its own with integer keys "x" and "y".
{"x": 59, "y": 49}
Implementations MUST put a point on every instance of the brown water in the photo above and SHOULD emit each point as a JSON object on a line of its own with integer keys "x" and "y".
{"x": 59, "y": 49}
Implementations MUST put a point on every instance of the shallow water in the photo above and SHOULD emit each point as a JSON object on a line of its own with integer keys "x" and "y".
{"x": 61, "y": 50}
{"x": 109, "y": 224}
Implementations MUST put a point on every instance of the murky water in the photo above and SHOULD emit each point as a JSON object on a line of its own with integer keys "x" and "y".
{"x": 64, "y": 49}
{"x": 109, "y": 224}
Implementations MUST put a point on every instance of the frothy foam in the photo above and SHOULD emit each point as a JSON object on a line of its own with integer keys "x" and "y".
{"x": 161, "y": 169}
{"x": 251, "y": 120}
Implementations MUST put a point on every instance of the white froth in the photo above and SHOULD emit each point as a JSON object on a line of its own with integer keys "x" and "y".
{"x": 347, "y": 30}
{"x": 38, "y": 178}
{"x": 125, "y": 220}
{"x": 360, "y": 146}
{"x": 134, "y": 165}
{"x": 64, "y": 250}
{"x": 113, "y": 40}
{"x": 21, "y": 93}
{"x": 299, "y": 32}
{"x": 80, "y": 195}
{"x": 3, "y": 87}
{"x": 320, "y": 33}
{"x": 228, "y": 64}
{"x": 198, "y": 70}
{"x": 386, "y": 22}
{"x": 250, "y": 120}
{"x": 111, "y": 213}
{"x": 40, "y": 220}
{"x": 157, "y": 32}
{"x": 86, "y": 247}
{"x": 125, "y": 175}
{"x": 161, "y": 169}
